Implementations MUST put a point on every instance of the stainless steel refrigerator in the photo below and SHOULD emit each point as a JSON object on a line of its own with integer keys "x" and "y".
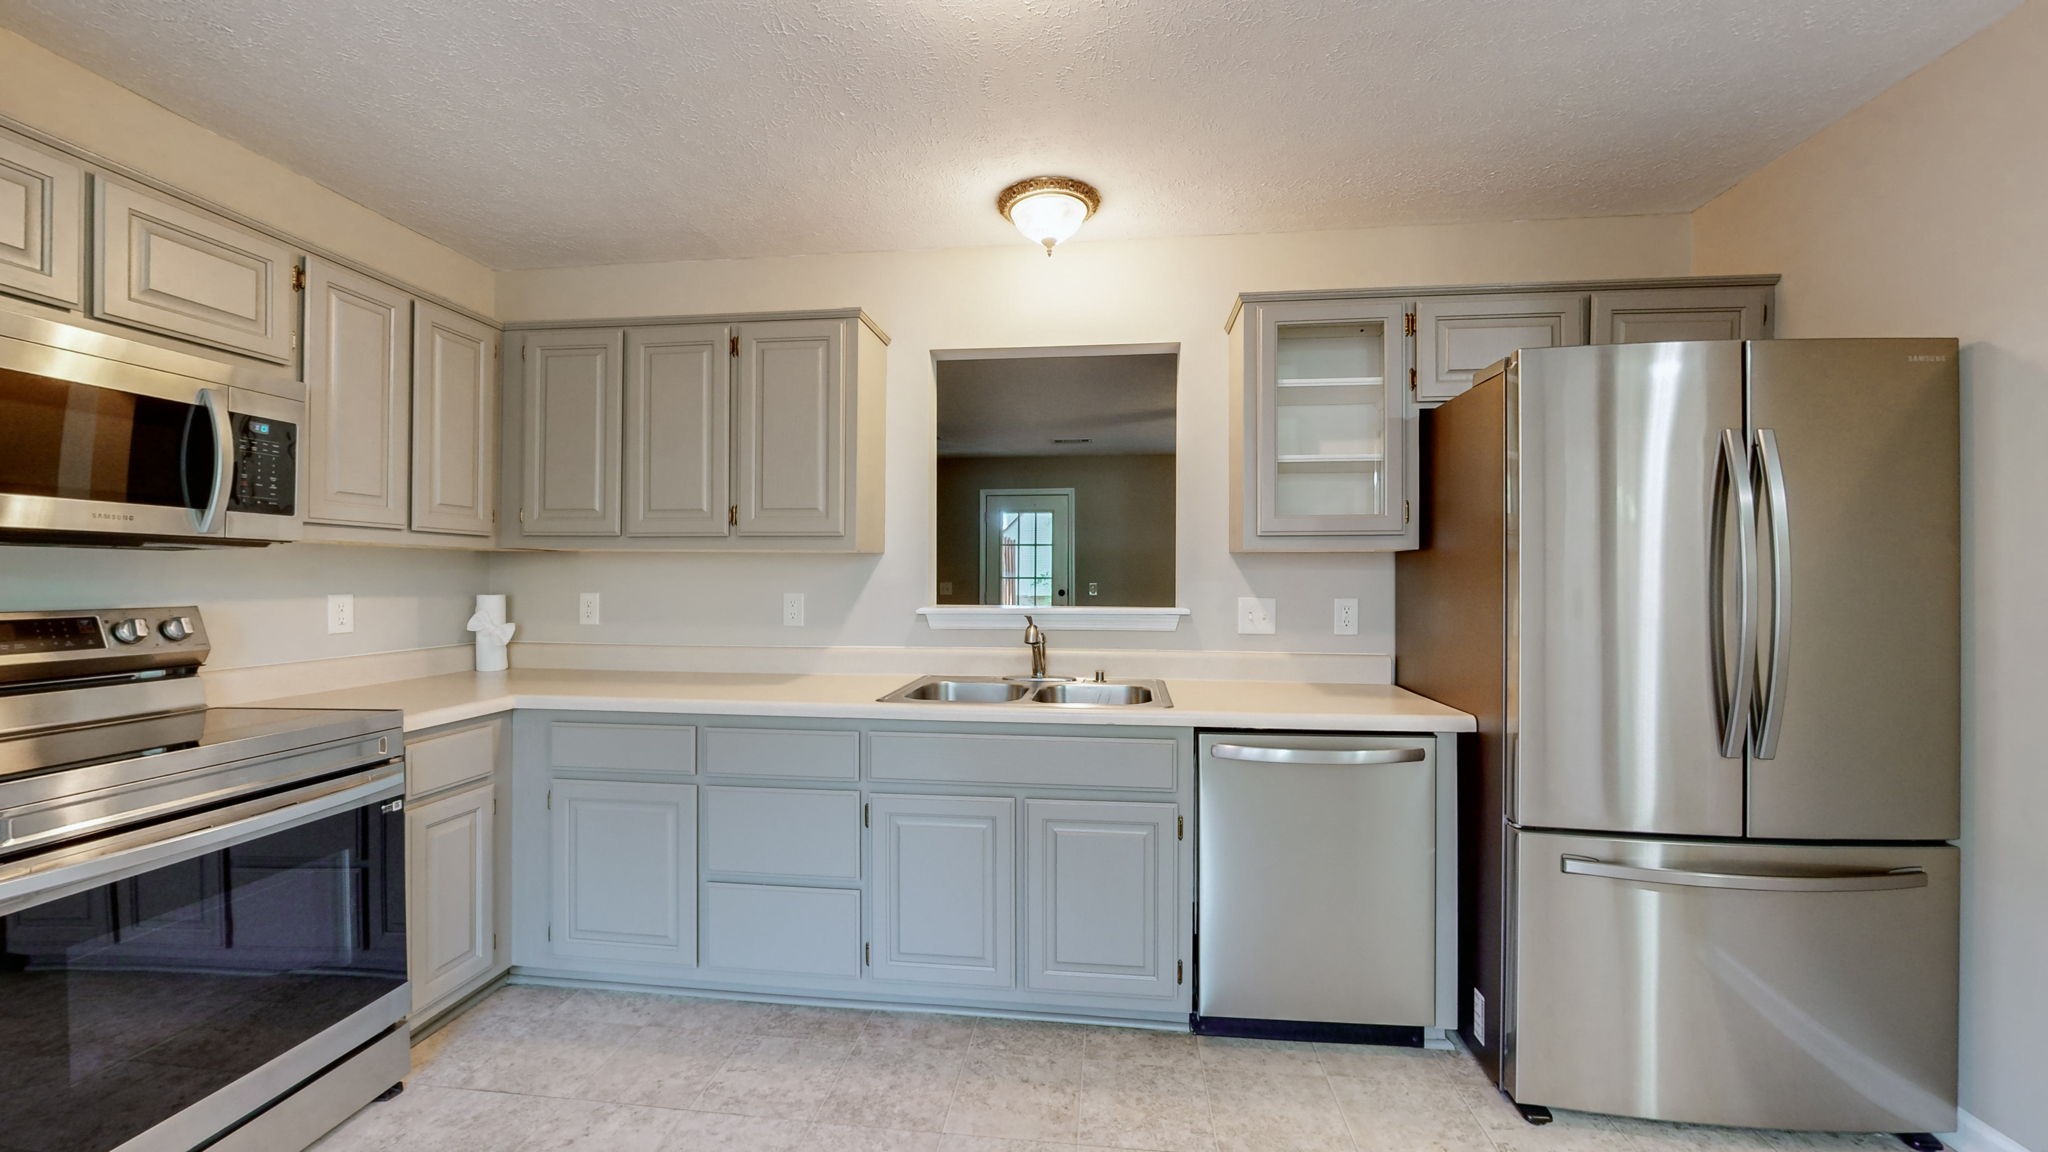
{"x": 1705, "y": 601}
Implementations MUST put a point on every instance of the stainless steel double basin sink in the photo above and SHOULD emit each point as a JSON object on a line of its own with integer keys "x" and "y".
{"x": 1024, "y": 692}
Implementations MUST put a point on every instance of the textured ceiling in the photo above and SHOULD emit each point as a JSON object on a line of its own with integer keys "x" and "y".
{"x": 1016, "y": 406}
{"x": 538, "y": 133}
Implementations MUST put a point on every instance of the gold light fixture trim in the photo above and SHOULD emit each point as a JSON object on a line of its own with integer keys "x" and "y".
{"x": 1062, "y": 204}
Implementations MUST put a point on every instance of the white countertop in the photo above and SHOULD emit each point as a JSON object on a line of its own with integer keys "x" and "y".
{"x": 436, "y": 700}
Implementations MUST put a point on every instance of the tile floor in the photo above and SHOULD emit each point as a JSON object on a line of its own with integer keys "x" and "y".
{"x": 535, "y": 1069}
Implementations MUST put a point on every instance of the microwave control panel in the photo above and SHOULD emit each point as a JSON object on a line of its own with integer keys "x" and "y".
{"x": 266, "y": 465}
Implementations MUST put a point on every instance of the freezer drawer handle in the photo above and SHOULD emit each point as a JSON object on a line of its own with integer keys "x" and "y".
{"x": 1319, "y": 755}
{"x": 1895, "y": 879}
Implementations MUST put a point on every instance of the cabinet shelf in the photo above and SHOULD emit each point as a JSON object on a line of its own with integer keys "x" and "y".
{"x": 1332, "y": 458}
{"x": 1332, "y": 382}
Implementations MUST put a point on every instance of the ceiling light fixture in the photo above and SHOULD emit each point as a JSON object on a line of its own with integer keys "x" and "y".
{"x": 1048, "y": 209}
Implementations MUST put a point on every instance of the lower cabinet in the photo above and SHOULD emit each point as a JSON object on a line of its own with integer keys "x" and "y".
{"x": 778, "y": 928}
{"x": 945, "y": 889}
{"x": 624, "y": 864}
{"x": 1101, "y": 910}
{"x": 451, "y": 935}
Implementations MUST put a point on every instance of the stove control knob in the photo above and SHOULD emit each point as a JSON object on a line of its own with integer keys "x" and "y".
{"x": 176, "y": 628}
{"x": 131, "y": 631}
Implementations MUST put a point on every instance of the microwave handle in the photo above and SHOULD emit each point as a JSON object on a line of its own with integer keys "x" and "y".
{"x": 215, "y": 401}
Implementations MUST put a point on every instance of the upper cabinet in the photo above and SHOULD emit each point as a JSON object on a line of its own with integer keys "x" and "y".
{"x": 454, "y": 422}
{"x": 358, "y": 398}
{"x": 678, "y": 430}
{"x": 1455, "y": 336}
{"x": 42, "y": 211}
{"x": 1646, "y": 316}
{"x": 163, "y": 266}
{"x": 1324, "y": 425}
{"x": 572, "y": 381}
{"x": 744, "y": 435}
{"x": 400, "y": 415}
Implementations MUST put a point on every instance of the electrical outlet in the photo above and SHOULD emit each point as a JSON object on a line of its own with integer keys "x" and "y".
{"x": 1478, "y": 1017}
{"x": 945, "y": 587}
{"x": 586, "y": 608}
{"x": 341, "y": 613}
{"x": 1255, "y": 617}
{"x": 1094, "y": 589}
{"x": 1346, "y": 620}
{"x": 792, "y": 609}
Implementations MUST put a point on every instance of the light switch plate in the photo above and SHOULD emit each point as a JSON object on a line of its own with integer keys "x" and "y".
{"x": 1345, "y": 620}
{"x": 1255, "y": 617}
{"x": 792, "y": 609}
{"x": 587, "y": 608}
{"x": 341, "y": 613}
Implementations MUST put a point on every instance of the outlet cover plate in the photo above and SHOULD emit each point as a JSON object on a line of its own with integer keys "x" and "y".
{"x": 587, "y": 608}
{"x": 1344, "y": 621}
{"x": 341, "y": 613}
{"x": 792, "y": 609}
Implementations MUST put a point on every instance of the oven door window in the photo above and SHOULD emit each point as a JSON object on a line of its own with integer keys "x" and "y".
{"x": 122, "y": 1005}
{"x": 79, "y": 442}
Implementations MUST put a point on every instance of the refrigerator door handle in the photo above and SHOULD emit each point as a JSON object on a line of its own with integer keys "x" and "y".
{"x": 1732, "y": 688}
{"x": 1318, "y": 755}
{"x": 1893, "y": 880}
{"x": 1770, "y": 717}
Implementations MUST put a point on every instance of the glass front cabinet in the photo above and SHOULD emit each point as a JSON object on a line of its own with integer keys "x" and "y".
{"x": 1324, "y": 429}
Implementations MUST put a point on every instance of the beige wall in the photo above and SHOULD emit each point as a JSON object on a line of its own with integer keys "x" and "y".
{"x": 1926, "y": 213}
{"x": 264, "y": 606}
{"x": 1158, "y": 291}
{"x": 1123, "y": 523}
{"x": 51, "y": 94}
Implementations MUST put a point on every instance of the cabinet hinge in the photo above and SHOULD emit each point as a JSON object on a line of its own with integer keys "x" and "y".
{"x": 867, "y": 955}
{"x": 551, "y": 930}
{"x": 732, "y": 345}
{"x": 732, "y": 515}
{"x": 1180, "y": 827}
{"x": 864, "y": 817}
{"x": 1411, "y": 379}
{"x": 1409, "y": 325}
{"x": 1180, "y": 971}
{"x": 551, "y": 800}
{"x": 1407, "y": 511}
{"x": 522, "y": 352}
{"x": 298, "y": 279}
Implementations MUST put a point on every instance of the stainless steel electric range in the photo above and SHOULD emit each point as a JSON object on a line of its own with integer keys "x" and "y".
{"x": 202, "y": 910}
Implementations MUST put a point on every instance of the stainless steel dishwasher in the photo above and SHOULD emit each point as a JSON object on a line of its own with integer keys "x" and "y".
{"x": 1323, "y": 903}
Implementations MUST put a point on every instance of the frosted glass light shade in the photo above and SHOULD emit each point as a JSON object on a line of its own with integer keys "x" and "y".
{"x": 1048, "y": 209}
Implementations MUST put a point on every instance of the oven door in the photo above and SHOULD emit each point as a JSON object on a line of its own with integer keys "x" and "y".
{"x": 156, "y": 992}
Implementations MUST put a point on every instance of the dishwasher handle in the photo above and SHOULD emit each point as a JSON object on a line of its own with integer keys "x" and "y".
{"x": 1318, "y": 755}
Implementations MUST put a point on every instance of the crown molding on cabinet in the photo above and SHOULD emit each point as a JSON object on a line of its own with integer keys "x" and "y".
{"x": 1760, "y": 280}
{"x": 706, "y": 318}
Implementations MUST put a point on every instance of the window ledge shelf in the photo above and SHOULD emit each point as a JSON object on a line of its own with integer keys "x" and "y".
{"x": 996, "y": 618}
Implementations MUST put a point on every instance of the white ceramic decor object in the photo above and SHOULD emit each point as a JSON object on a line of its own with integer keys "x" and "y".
{"x": 492, "y": 633}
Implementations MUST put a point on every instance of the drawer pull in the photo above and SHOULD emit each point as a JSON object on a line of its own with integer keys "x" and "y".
{"x": 1893, "y": 880}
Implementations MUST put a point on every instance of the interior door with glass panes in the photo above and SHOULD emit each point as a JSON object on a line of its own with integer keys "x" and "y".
{"x": 1027, "y": 546}
{"x": 1333, "y": 406}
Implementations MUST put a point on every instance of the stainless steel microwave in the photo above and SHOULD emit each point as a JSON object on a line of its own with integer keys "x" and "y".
{"x": 111, "y": 441}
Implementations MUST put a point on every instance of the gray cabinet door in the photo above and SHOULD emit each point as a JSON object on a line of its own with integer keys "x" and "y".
{"x": 450, "y": 932}
{"x": 678, "y": 431}
{"x": 791, "y": 400}
{"x": 172, "y": 269}
{"x": 358, "y": 407}
{"x": 945, "y": 889}
{"x": 1655, "y": 315}
{"x": 454, "y": 410}
{"x": 1101, "y": 915}
{"x": 42, "y": 211}
{"x": 1457, "y": 335}
{"x": 624, "y": 871}
{"x": 570, "y": 466}
{"x": 1331, "y": 419}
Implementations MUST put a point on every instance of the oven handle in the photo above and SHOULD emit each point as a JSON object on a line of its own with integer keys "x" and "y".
{"x": 215, "y": 401}
{"x": 40, "y": 879}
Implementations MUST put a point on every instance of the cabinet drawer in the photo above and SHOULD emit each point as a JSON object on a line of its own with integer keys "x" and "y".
{"x": 768, "y": 928}
{"x": 623, "y": 747}
{"x": 1058, "y": 761}
{"x": 451, "y": 758}
{"x": 782, "y": 832}
{"x": 785, "y": 752}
